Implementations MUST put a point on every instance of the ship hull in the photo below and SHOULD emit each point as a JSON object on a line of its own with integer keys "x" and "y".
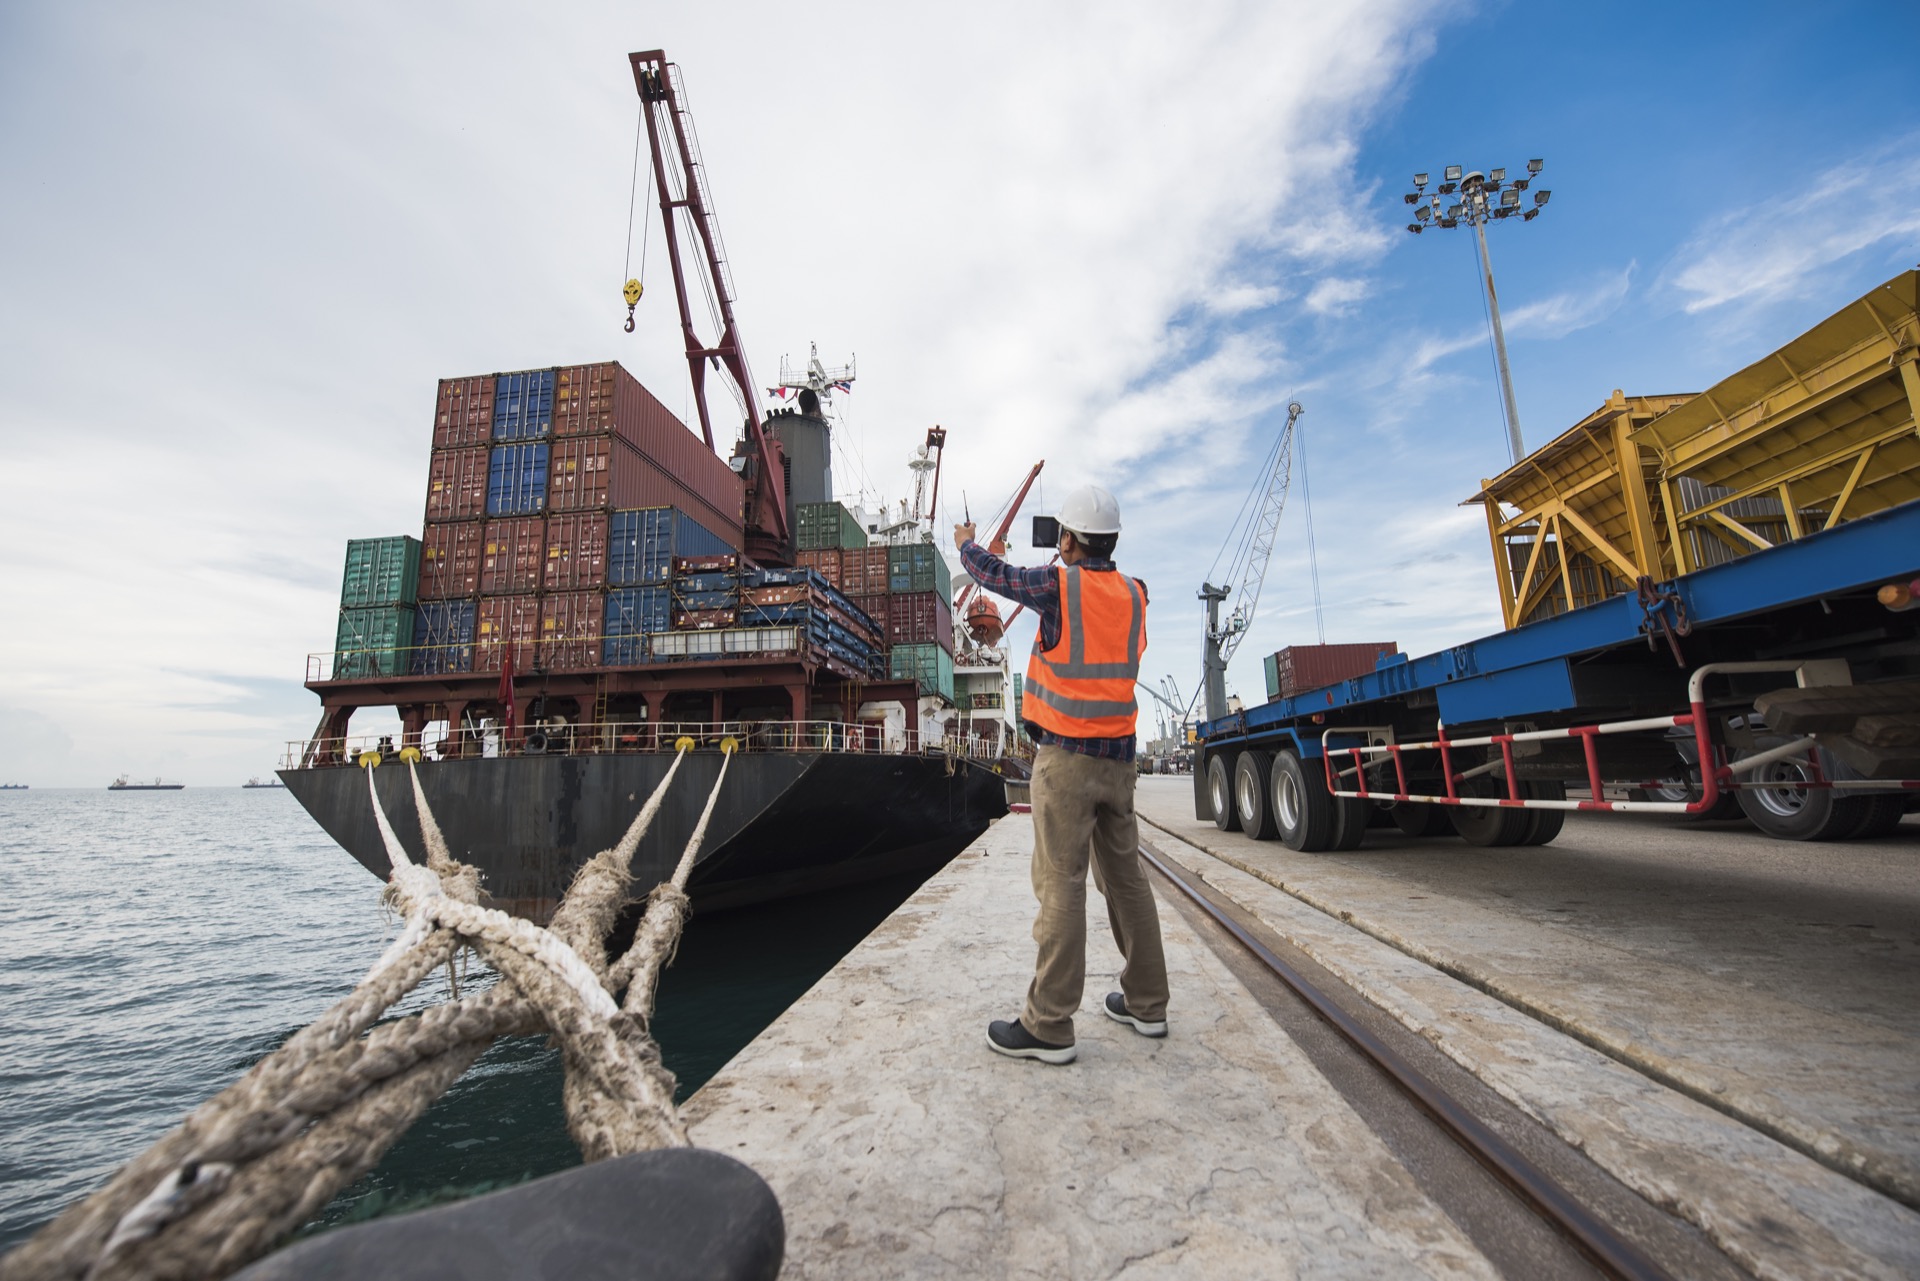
{"x": 784, "y": 824}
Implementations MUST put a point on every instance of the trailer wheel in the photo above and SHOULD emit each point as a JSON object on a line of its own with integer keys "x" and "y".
{"x": 1490, "y": 825}
{"x": 1251, "y": 799}
{"x": 1421, "y": 818}
{"x": 1303, "y": 809}
{"x": 1220, "y": 794}
{"x": 1544, "y": 825}
{"x": 1351, "y": 818}
{"x": 1882, "y": 816}
{"x": 1788, "y": 811}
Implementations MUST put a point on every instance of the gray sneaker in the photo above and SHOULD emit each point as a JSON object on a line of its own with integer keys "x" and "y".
{"x": 1016, "y": 1042}
{"x": 1116, "y": 1008}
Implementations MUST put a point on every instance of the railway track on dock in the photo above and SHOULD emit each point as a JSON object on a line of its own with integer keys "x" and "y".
{"x": 1603, "y": 1246}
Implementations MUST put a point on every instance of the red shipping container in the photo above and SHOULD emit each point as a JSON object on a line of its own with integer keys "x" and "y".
{"x": 457, "y": 484}
{"x": 450, "y": 556}
{"x": 576, "y": 555}
{"x": 463, "y": 415}
{"x": 579, "y": 475}
{"x": 504, "y": 621}
{"x": 873, "y": 576}
{"x": 704, "y": 564}
{"x": 920, "y": 618}
{"x": 662, "y": 441}
{"x": 583, "y": 399}
{"x": 514, "y": 551}
{"x": 1299, "y": 668}
{"x": 826, "y": 562}
{"x": 570, "y": 630}
{"x": 874, "y": 607}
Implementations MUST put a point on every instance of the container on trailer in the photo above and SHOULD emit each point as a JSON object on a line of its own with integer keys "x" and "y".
{"x": 457, "y": 483}
{"x": 643, "y": 542}
{"x": 372, "y": 642}
{"x": 821, "y": 525}
{"x": 450, "y": 556}
{"x": 920, "y": 618}
{"x": 1298, "y": 668}
{"x": 576, "y": 552}
{"x": 632, "y": 615}
{"x": 523, "y": 405}
{"x": 570, "y": 630}
{"x": 513, "y": 555}
{"x": 380, "y": 572}
{"x": 517, "y": 479}
{"x": 928, "y": 665}
{"x": 463, "y": 413}
{"x": 443, "y": 633}
{"x": 918, "y": 567}
{"x": 506, "y": 621}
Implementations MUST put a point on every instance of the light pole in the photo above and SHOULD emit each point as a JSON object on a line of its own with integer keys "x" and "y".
{"x": 1484, "y": 198}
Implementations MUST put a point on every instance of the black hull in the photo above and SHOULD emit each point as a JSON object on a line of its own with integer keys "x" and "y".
{"x": 784, "y": 825}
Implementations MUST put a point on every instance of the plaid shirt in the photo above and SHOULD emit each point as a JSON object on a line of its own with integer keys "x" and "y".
{"x": 1039, "y": 590}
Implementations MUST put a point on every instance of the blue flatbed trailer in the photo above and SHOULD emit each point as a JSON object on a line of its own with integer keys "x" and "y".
{"x": 1807, "y": 610}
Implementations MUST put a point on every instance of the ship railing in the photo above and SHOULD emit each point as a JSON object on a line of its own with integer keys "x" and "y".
{"x": 438, "y": 741}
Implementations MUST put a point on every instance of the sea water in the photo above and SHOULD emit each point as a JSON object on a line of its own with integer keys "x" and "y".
{"x": 153, "y": 945}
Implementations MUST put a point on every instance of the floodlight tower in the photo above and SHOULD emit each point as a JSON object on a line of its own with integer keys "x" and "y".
{"x": 1484, "y": 197}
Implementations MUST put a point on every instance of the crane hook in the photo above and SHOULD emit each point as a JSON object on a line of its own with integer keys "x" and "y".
{"x": 632, "y": 293}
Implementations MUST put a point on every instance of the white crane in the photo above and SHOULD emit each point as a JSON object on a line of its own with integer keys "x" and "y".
{"x": 1249, "y": 567}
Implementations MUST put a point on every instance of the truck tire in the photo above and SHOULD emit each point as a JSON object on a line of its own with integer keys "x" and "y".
{"x": 1544, "y": 825}
{"x": 1252, "y": 802}
{"x": 1220, "y": 794}
{"x": 1881, "y": 816}
{"x": 1303, "y": 810}
{"x": 1353, "y": 818}
{"x": 1421, "y": 818}
{"x": 1489, "y": 825}
{"x": 1788, "y": 812}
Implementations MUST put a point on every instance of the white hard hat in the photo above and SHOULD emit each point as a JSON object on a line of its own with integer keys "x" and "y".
{"x": 1090, "y": 510}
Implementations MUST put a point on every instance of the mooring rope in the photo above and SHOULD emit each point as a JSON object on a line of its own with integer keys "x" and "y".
{"x": 259, "y": 1159}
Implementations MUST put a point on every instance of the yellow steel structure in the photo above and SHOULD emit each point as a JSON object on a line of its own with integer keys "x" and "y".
{"x": 1820, "y": 431}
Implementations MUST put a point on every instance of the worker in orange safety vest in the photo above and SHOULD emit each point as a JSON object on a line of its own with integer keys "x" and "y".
{"x": 1081, "y": 712}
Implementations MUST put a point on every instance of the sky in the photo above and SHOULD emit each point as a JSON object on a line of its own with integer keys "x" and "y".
{"x": 239, "y": 244}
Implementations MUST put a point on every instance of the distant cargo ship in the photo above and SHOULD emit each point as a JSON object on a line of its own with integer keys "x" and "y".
{"x": 272, "y": 782}
{"x": 13, "y": 787}
{"x": 121, "y": 784}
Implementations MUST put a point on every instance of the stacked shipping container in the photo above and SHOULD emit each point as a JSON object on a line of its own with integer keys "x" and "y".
{"x": 378, "y": 593}
{"x": 906, "y": 588}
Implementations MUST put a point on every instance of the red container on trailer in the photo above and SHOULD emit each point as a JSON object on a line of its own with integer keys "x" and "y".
{"x": 570, "y": 624}
{"x": 463, "y": 415}
{"x": 504, "y": 621}
{"x": 457, "y": 484}
{"x": 920, "y": 618}
{"x": 450, "y": 556}
{"x": 1299, "y": 668}
{"x": 513, "y": 554}
{"x": 576, "y": 553}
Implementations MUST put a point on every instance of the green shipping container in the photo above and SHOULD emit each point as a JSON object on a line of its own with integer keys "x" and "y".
{"x": 929, "y": 665}
{"x": 381, "y": 572}
{"x": 918, "y": 567}
{"x": 1272, "y": 662}
{"x": 820, "y": 526}
{"x": 373, "y": 642}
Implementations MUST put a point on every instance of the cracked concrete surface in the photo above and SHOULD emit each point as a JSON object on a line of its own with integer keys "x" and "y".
{"x": 1690, "y": 956}
{"x": 900, "y": 1145}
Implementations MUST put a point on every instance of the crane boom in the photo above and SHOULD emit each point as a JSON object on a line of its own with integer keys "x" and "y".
{"x": 681, "y": 185}
{"x": 1223, "y": 638}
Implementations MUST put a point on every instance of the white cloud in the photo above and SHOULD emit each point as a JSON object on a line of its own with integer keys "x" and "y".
{"x": 1336, "y": 295}
{"x": 1773, "y": 250}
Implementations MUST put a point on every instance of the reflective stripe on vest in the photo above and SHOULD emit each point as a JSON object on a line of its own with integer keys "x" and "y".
{"x": 1078, "y": 698}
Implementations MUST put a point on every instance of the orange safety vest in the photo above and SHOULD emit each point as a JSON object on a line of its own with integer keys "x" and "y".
{"x": 1083, "y": 686}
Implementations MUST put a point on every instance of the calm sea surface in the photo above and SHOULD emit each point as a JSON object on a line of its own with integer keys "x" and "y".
{"x": 155, "y": 944}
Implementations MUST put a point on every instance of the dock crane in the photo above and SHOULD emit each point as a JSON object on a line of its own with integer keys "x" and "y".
{"x": 1250, "y": 568}
{"x": 686, "y": 205}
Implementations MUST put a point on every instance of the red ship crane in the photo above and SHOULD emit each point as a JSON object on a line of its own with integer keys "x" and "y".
{"x": 685, "y": 203}
{"x": 980, "y": 616}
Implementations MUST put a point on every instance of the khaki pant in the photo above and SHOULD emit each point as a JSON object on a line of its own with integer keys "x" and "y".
{"x": 1083, "y": 808}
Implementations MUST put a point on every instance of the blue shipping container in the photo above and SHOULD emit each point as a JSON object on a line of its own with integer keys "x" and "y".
{"x": 443, "y": 637}
{"x": 633, "y": 614}
{"x": 517, "y": 480}
{"x": 523, "y": 405}
{"x": 642, "y": 542}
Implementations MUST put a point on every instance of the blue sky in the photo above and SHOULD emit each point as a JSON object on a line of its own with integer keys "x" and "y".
{"x": 241, "y": 244}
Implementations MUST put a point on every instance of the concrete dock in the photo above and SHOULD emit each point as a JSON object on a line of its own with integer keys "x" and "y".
{"x": 1629, "y": 993}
